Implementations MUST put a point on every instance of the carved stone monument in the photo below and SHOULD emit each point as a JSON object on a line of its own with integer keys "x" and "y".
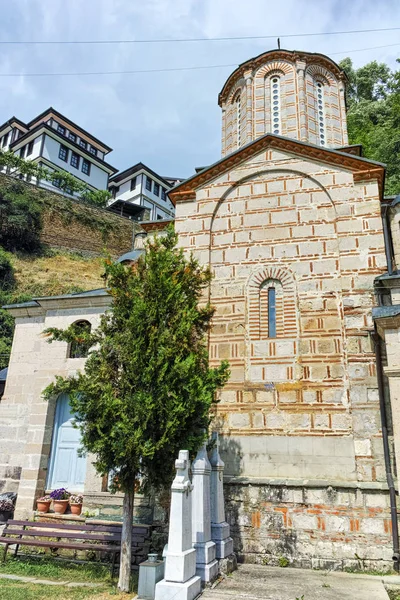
{"x": 220, "y": 531}
{"x": 180, "y": 580}
{"x": 206, "y": 564}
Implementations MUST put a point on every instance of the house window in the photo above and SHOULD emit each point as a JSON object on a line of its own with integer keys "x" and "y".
{"x": 93, "y": 150}
{"x": 5, "y": 140}
{"x": 79, "y": 348}
{"x": 321, "y": 122}
{"x": 61, "y": 129}
{"x": 271, "y": 312}
{"x": 133, "y": 183}
{"x": 83, "y": 144}
{"x": 22, "y": 151}
{"x": 163, "y": 194}
{"x": 86, "y": 167}
{"x": 114, "y": 191}
{"x": 156, "y": 189}
{"x": 275, "y": 105}
{"x": 75, "y": 160}
{"x": 30, "y": 148}
{"x": 148, "y": 183}
{"x": 63, "y": 153}
{"x": 72, "y": 136}
{"x": 56, "y": 183}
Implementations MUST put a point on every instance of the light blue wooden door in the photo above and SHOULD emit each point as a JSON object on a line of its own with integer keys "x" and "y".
{"x": 67, "y": 468}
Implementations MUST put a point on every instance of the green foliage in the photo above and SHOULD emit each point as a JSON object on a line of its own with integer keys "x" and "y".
{"x": 64, "y": 180}
{"x": 283, "y": 561}
{"x": 6, "y": 271}
{"x": 373, "y": 118}
{"x": 147, "y": 389}
{"x": 20, "y": 219}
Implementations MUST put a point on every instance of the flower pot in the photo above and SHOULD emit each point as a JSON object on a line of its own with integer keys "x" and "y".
{"x": 4, "y": 516}
{"x": 60, "y": 506}
{"x": 43, "y": 505}
{"x": 76, "y": 509}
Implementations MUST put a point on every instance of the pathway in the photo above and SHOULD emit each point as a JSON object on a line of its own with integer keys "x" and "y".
{"x": 256, "y": 582}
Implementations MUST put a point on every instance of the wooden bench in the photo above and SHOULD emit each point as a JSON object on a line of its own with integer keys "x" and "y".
{"x": 98, "y": 538}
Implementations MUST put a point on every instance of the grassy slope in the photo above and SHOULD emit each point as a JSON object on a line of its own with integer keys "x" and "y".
{"x": 56, "y": 273}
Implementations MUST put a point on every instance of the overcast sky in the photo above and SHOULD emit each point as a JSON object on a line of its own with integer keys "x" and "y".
{"x": 169, "y": 121}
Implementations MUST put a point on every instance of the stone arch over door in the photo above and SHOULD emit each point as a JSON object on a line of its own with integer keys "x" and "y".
{"x": 66, "y": 468}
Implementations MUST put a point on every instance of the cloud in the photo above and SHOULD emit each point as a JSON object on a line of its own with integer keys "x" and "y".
{"x": 170, "y": 121}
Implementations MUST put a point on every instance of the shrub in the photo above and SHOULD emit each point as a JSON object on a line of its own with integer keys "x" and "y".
{"x": 20, "y": 219}
{"x": 6, "y": 271}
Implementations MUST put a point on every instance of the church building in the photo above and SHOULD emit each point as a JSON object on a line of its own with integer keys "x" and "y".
{"x": 290, "y": 223}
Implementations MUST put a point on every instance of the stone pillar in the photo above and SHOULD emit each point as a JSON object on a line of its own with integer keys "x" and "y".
{"x": 302, "y": 100}
{"x": 206, "y": 564}
{"x": 249, "y": 107}
{"x": 343, "y": 116}
{"x": 220, "y": 531}
{"x": 180, "y": 581}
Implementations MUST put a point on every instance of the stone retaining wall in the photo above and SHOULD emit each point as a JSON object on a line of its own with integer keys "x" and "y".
{"x": 316, "y": 526}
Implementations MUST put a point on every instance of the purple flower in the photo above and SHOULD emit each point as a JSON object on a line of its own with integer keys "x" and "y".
{"x": 60, "y": 494}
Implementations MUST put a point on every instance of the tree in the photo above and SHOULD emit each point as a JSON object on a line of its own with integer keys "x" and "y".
{"x": 373, "y": 117}
{"x": 146, "y": 389}
{"x": 20, "y": 219}
{"x": 65, "y": 181}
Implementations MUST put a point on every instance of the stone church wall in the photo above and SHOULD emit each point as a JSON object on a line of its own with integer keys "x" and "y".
{"x": 302, "y": 405}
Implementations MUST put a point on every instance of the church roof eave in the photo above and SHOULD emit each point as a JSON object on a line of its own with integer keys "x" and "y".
{"x": 363, "y": 168}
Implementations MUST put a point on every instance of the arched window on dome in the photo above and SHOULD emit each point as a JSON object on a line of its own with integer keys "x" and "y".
{"x": 320, "y": 110}
{"x": 275, "y": 89}
{"x": 238, "y": 108}
{"x": 80, "y": 347}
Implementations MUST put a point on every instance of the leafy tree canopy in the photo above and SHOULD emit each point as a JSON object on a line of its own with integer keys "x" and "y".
{"x": 373, "y": 118}
{"x": 146, "y": 389}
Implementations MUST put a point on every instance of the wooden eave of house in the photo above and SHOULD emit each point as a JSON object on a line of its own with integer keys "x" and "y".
{"x": 124, "y": 176}
{"x": 68, "y": 124}
{"x": 13, "y": 122}
{"x": 363, "y": 169}
{"x": 44, "y": 128}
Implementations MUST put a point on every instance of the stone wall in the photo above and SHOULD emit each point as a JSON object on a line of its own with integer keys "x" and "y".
{"x": 323, "y": 526}
{"x": 304, "y": 403}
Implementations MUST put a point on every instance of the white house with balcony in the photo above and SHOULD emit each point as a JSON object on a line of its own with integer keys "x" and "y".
{"x": 55, "y": 142}
{"x": 140, "y": 194}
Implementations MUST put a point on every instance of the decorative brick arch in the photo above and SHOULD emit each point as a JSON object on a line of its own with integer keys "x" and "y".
{"x": 318, "y": 72}
{"x": 280, "y": 66}
{"x": 286, "y": 325}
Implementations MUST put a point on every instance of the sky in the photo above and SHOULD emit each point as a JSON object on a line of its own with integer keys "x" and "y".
{"x": 170, "y": 121}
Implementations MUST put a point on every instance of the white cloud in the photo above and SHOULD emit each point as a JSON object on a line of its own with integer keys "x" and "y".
{"x": 171, "y": 121}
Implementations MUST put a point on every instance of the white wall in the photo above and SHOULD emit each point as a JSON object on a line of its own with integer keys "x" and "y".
{"x": 98, "y": 178}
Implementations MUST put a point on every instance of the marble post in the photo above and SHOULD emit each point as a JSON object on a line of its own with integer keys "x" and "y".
{"x": 220, "y": 532}
{"x": 206, "y": 564}
{"x": 180, "y": 580}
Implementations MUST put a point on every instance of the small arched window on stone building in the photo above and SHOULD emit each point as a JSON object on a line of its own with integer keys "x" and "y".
{"x": 79, "y": 348}
{"x": 271, "y": 304}
{"x": 238, "y": 109}
{"x": 320, "y": 112}
{"x": 275, "y": 89}
{"x": 271, "y": 309}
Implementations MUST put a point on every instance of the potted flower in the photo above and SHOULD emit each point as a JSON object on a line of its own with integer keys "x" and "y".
{"x": 43, "y": 504}
{"x": 6, "y": 510}
{"x": 75, "y": 502}
{"x": 60, "y": 499}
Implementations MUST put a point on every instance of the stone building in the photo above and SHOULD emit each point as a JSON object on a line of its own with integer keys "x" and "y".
{"x": 289, "y": 220}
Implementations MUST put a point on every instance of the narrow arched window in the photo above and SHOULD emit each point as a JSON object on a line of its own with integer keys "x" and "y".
{"x": 238, "y": 119}
{"x": 79, "y": 348}
{"x": 271, "y": 309}
{"x": 271, "y": 312}
{"x": 321, "y": 122}
{"x": 275, "y": 105}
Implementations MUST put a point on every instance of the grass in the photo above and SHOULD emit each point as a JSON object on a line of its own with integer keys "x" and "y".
{"x": 48, "y": 568}
{"x": 14, "y": 590}
{"x": 56, "y": 273}
{"x": 394, "y": 594}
